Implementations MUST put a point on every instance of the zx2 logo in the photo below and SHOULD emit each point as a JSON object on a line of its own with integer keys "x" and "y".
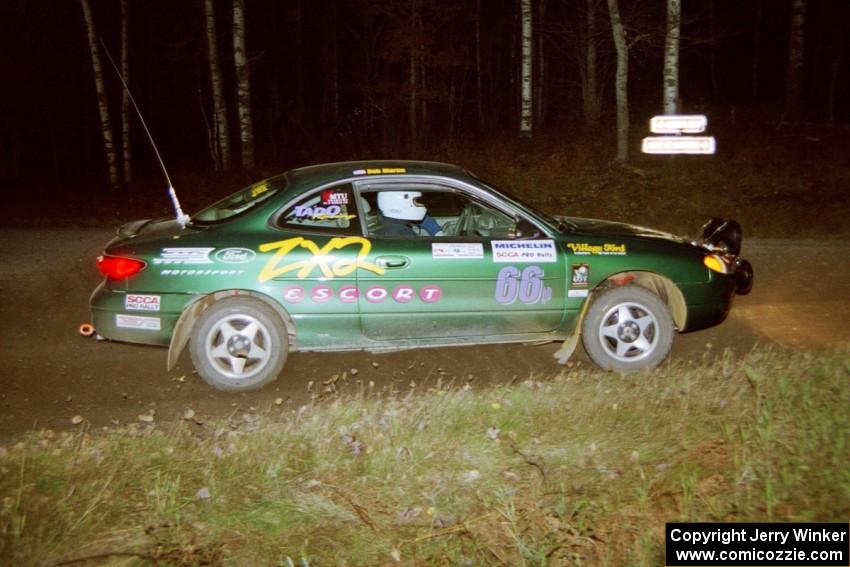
{"x": 322, "y": 258}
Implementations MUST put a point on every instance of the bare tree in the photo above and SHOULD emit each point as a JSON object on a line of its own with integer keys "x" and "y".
{"x": 413, "y": 77}
{"x": 106, "y": 126}
{"x": 591, "y": 96}
{"x": 220, "y": 145}
{"x": 794, "y": 77}
{"x": 243, "y": 85}
{"x": 527, "y": 50}
{"x": 125, "y": 97}
{"x": 835, "y": 75}
{"x": 754, "y": 73}
{"x": 622, "y": 81}
{"x": 670, "y": 95}
{"x": 479, "y": 95}
{"x": 542, "y": 65}
{"x": 330, "y": 54}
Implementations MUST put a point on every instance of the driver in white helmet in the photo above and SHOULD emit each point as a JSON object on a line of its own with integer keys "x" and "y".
{"x": 401, "y": 211}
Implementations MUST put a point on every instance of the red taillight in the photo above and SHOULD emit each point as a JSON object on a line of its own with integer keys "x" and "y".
{"x": 118, "y": 268}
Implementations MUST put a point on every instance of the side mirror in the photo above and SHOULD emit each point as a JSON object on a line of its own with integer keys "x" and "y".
{"x": 525, "y": 230}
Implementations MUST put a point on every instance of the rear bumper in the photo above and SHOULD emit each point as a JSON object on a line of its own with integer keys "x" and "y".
{"x": 150, "y": 325}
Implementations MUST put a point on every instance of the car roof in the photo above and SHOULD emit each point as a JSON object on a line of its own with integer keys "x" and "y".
{"x": 327, "y": 172}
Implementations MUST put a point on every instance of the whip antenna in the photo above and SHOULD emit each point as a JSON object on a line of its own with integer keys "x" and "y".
{"x": 182, "y": 218}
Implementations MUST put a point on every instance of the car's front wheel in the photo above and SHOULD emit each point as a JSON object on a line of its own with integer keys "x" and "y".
{"x": 239, "y": 344}
{"x": 627, "y": 329}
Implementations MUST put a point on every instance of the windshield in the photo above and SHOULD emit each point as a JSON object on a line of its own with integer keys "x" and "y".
{"x": 242, "y": 201}
{"x": 556, "y": 223}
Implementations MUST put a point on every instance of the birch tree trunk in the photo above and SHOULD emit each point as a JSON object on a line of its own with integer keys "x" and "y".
{"x": 622, "y": 82}
{"x": 527, "y": 49}
{"x": 479, "y": 100}
{"x": 125, "y": 98}
{"x": 243, "y": 85}
{"x": 423, "y": 100}
{"x": 106, "y": 126}
{"x": 221, "y": 130}
{"x": 591, "y": 103}
{"x": 299, "y": 57}
{"x": 414, "y": 75}
{"x": 670, "y": 94}
{"x": 540, "y": 108}
{"x": 794, "y": 78}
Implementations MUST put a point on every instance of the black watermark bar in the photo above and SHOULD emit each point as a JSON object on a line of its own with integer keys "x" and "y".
{"x": 758, "y": 544}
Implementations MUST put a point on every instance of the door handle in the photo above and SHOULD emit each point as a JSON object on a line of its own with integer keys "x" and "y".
{"x": 392, "y": 262}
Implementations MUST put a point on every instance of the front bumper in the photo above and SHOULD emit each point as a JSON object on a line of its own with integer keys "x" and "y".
{"x": 708, "y": 304}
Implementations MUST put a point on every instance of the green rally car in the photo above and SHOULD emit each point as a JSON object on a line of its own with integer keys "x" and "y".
{"x": 403, "y": 254}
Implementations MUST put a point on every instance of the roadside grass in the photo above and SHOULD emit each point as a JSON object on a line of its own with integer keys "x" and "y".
{"x": 582, "y": 467}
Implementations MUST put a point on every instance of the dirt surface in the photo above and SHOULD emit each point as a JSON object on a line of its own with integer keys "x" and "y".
{"x": 50, "y": 374}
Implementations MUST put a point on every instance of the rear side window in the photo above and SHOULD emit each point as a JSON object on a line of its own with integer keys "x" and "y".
{"x": 328, "y": 210}
{"x": 240, "y": 202}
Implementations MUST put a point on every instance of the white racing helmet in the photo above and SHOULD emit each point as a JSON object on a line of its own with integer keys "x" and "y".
{"x": 402, "y": 205}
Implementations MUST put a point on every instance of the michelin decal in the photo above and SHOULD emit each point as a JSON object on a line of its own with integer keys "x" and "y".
{"x": 517, "y": 251}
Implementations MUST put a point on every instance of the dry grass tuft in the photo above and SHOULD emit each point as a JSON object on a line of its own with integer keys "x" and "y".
{"x": 583, "y": 467}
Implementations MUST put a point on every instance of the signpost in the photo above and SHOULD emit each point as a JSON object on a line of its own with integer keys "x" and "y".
{"x": 676, "y": 125}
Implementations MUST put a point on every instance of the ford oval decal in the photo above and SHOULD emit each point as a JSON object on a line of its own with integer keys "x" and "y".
{"x": 235, "y": 255}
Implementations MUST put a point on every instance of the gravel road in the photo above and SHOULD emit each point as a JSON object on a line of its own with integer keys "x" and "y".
{"x": 50, "y": 374}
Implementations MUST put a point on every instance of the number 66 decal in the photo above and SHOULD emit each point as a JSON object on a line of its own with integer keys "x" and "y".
{"x": 526, "y": 286}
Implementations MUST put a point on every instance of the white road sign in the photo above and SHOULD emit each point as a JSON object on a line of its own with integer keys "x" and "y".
{"x": 678, "y": 145}
{"x": 678, "y": 124}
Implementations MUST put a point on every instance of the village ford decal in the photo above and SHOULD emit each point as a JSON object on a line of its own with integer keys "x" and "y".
{"x": 321, "y": 258}
{"x": 607, "y": 249}
{"x": 524, "y": 251}
{"x": 235, "y": 255}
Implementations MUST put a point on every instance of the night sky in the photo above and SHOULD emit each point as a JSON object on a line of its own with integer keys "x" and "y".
{"x": 50, "y": 130}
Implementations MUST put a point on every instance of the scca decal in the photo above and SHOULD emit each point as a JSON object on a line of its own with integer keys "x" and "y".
{"x": 134, "y": 302}
{"x": 322, "y": 258}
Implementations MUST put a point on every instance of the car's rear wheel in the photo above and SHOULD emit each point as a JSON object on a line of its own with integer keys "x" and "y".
{"x": 627, "y": 329}
{"x": 239, "y": 344}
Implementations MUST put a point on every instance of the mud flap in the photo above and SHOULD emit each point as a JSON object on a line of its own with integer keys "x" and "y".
{"x": 183, "y": 328}
{"x": 568, "y": 347}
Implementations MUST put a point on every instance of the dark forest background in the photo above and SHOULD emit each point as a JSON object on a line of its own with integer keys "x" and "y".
{"x": 329, "y": 81}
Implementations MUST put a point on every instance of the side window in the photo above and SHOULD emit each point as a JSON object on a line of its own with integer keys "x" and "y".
{"x": 328, "y": 210}
{"x": 420, "y": 212}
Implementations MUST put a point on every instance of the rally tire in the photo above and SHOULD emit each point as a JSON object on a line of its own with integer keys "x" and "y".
{"x": 627, "y": 328}
{"x": 239, "y": 344}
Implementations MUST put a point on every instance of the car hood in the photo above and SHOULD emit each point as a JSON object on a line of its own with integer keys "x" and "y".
{"x": 596, "y": 227}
